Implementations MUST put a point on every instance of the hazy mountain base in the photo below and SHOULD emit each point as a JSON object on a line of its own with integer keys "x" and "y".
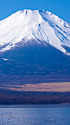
{"x": 32, "y": 64}
{"x": 34, "y": 60}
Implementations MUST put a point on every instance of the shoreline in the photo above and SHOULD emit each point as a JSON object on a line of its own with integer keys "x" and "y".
{"x": 37, "y": 106}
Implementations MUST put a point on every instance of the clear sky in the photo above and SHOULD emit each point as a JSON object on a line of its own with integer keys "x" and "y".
{"x": 58, "y": 7}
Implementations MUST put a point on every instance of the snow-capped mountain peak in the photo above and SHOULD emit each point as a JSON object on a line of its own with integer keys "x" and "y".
{"x": 40, "y": 25}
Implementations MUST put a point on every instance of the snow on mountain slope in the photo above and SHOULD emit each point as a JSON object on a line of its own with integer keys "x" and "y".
{"x": 40, "y": 25}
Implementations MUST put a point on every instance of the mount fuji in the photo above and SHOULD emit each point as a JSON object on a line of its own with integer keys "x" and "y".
{"x": 34, "y": 43}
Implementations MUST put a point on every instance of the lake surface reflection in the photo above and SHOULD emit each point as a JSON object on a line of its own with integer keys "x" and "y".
{"x": 35, "y": 115}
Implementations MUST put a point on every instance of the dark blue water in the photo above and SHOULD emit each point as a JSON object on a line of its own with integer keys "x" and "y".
{"x": 50, "y": 115}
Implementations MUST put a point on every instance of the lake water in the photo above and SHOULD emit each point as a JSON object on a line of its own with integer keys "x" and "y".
{"x": 35, "y": 115}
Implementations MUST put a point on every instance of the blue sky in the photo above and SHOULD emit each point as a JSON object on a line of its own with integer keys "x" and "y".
{"x": 58, "y": 7}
